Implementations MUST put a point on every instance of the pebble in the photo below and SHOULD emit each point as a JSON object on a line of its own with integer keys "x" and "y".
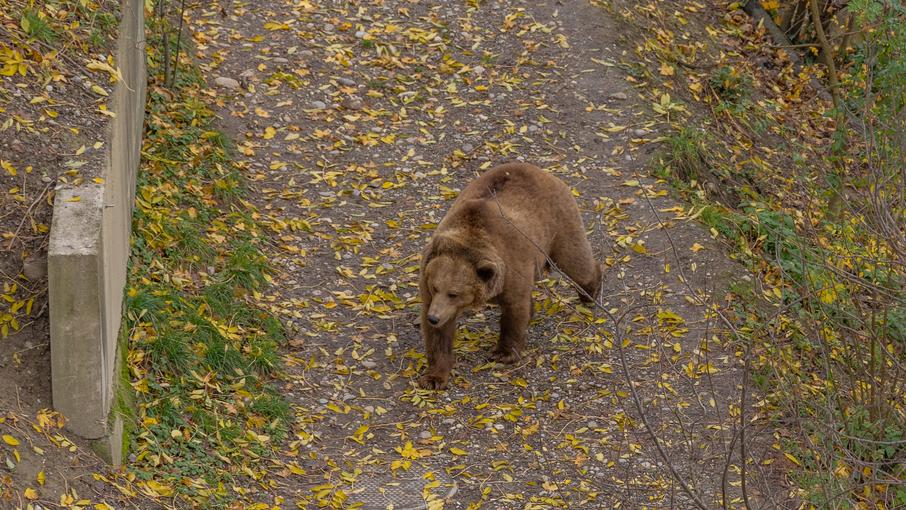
{"x": 346, "y": 81}
{"x": 353, "y": 103}
{"x": 34, "y": 269}
{"x": 329, "y": 28}
{"x": 467, "y": 148}
{"x": 592, "y": 424}
{"x": 280, "y": 60}
{"x": 361, "y": 34}
{"x": 640, "y": 132}
{"x": 319, "y": 105}
{"x": 227, "y": 83}
{"x": 478, "y": 70}
{"x": 425, "y": 434}
{"x": 306, "y": 53}
{"x": 369, "y": 364}
{"x": 532, "y": 128}
{"x": 619, "y": 95}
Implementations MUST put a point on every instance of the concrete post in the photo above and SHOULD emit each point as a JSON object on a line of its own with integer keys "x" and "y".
{"x": 75, "y": 277}
{"x": 87, "y": 260}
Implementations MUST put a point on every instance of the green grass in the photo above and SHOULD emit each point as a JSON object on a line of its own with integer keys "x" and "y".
{"x": 684, "y": 156}
{"x": 37, "y": 27}
{"x": 202, "y": 350}
{"x": 731, "y": 85}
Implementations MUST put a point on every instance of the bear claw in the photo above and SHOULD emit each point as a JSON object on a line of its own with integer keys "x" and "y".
{"x": 505, "y": 357}
{"x": 432, "y": 382}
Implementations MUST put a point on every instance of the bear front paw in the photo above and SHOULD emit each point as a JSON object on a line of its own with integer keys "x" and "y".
{"x": 507, "y": 357}
{"x": 433, "y": 382}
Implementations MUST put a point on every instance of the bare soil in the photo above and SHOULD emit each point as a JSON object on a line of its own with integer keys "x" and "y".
{"x": 358, "y": 123}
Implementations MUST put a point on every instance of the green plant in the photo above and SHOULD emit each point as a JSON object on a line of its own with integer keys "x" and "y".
{"x": 731, "y": 85}
{"x": 684, "y": 157}
{"x": 35, "y": 24}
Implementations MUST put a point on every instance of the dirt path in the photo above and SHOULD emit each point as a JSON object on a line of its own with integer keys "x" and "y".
{"x": 358, "y": 122}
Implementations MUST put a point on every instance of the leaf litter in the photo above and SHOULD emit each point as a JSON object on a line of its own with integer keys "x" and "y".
{"x": 355, "y": 125}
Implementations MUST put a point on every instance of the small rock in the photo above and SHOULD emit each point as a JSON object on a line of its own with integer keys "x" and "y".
{"x": 361, "y": 34}
{"x": 592, "y": 424}
{"x": 306, "y": 53}
{"x": 640, "y": 132}
{"x": 346, "y": 81}
{"x": 34, "y": 269}
{"x": 319, "y": 105}
{"x": 425, "y": 434}
{"x": 369, "y": 364}
{"x": 227, "y": 83}
{"x": 353, "y": 103}
{"x": 533, "y": 128}
{"x": 478, "y": 70}
{"x": 467, "y": 148}
{"x": 619, "y": 95}
{"x": 280, "y": 60}
{"x": 328, "y": 28}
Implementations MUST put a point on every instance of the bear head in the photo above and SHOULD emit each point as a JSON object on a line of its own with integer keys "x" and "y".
{"x": 458, "y": 277}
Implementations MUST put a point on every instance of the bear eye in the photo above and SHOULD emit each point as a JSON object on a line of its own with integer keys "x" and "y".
{"x": 452, "y": 295}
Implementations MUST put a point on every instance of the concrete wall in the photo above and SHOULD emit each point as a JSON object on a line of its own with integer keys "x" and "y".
{"x": 87, "y": 258}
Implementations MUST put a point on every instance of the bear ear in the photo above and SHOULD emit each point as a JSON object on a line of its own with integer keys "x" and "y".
{"x": 491, "y": 273}
{"x": 437, "y": 244}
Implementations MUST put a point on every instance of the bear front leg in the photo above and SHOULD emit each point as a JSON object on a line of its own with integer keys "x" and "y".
{"x": 439, "y": 350}
{"x": 514, "y": 321}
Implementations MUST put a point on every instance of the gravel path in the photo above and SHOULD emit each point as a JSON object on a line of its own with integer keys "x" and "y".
{"x": 358, "y": 122}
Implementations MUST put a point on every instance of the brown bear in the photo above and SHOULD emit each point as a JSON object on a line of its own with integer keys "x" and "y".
{"x": 491, "y": 247}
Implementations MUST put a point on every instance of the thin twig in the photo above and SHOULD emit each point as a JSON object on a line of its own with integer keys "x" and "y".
{"x": 617, "y": 340}
{"x": 9, "y": 246}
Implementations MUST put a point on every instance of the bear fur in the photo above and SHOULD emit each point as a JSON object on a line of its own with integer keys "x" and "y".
{"x": 491, "y": 247}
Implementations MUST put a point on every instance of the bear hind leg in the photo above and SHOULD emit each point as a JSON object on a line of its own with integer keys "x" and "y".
{"x": 573, "y": 257}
